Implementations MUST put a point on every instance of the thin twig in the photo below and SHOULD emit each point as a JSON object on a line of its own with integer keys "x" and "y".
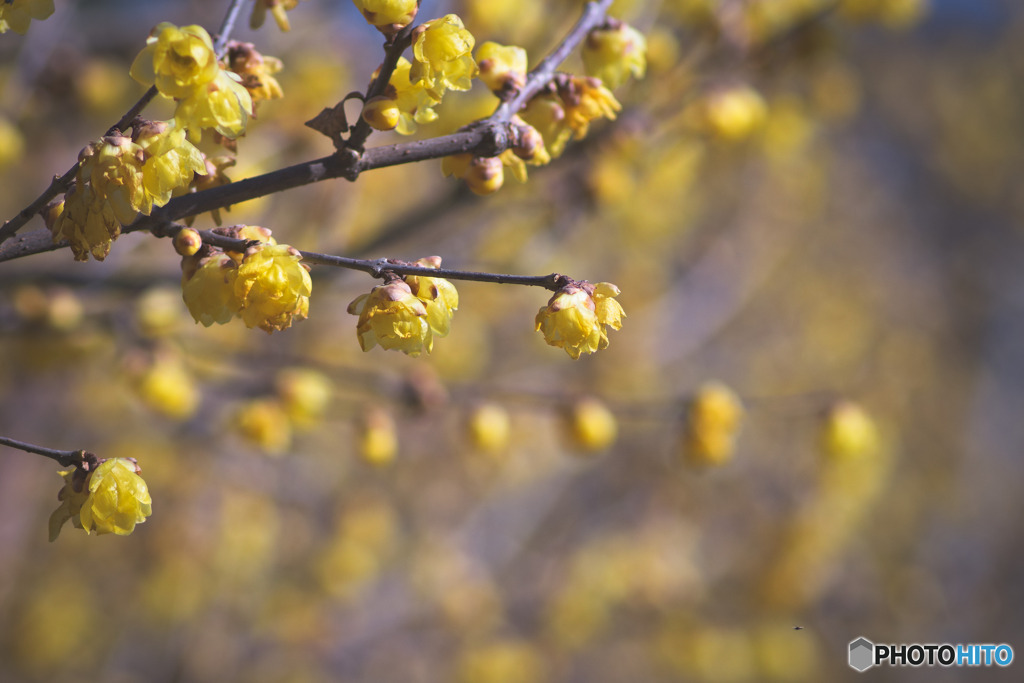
{"x": 64, "y": 458}
{"x": 60, "y": 184}
{"x": 593, "y": 15}
{"x": 393, "y": 50}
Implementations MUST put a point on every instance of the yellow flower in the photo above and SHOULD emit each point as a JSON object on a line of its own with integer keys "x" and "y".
{"x": 378, "y": 438}
{"x": 591, "y": 425}
{"x": 483, "y": 175}
{"x": 443, "y": 55}
{"x": 278, "y": 8}
{"x": 502, "y": 67}
{"x": 178, "y": 60}
{"x": 87, "y": 222}
{"x": 16, "y": 14}
{"x": 390, "y": 14}
{"x": 167, "y": 387}
{"x": 273, "y": 287}
{"x": 222, "y": 104}
{"x": 170, "y": 160}
{"x": 576, "y": 316}
{"x": 438, "y": 295}
{"x": 392, "y": 316}
{"x": 118, "y": 498}
{"x": 848, "y": 432}
{"x": 208, "y": 288}
{"x": 304, "y": 393}
{"x": 113, "y": 166}
{"x": 403, "y": 104}
{"x": 615, "y": 52}
{"x": 71, "y": 496}
{"x": 264, "y": 423}
{"x": 712, "y": 424}
{"x": 256, "y": 70}
{"x": 489, "y": 427}
{"x": 732, "y": 113}
{"x": 569, "y": 110}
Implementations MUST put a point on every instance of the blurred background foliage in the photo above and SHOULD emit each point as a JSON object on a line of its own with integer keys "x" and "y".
{"x": 813, "y": 211}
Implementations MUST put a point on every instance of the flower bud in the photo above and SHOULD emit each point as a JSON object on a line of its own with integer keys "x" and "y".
{"x": 187, "y": 242}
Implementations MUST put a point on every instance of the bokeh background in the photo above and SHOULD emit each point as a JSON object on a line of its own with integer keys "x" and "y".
{"x": 841, "y": 239}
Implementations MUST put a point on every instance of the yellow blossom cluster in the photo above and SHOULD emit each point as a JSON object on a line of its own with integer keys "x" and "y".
{"x": 120, "y": 177}
{"x": 576, "y": 316}
{"x": 405, "y": 313}
{"x": 181, "y": 62}
{"x": 566, "y": 109}
{"x": 15, "y": 15}
{"x": 486, "y": 175}
{"x": 112, "y": 498}
{"x": 502, "y": 67}
{"x": 267, "y": 286}
{"x": 442, "y": 60}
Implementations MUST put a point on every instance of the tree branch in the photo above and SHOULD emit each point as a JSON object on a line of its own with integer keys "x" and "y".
{"x": 63, "y": 458}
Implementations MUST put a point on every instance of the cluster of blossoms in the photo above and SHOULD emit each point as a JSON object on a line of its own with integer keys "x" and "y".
{"x": 266, "y": 286}
{"x": 183, "y": 65}
{"x": 566, "y": 107}
{"x": 406, "y": 313}
{"x": 442, "y": 60}
{"x": 105, "y": 496}
{"x": 120, "y": 177}
{"x": 15, "y": 15}
{"x": 576, "y": 316}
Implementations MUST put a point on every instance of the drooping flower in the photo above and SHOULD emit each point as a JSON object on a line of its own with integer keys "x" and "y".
{"x": 443, "y": 55}
{"x": 256, "y": 70}
{"x": 87, "y": 222}
{"x": 403, "y": 104}
{"x": 278, "y": 8}
{"x": 483, "y": 175}
{"x": 388, "y": 15}
{"x": 177, "y": 60}
{"x": 438, "y": 295}
{"x": 272, "y": 287}
{"x": 392, "y": 316}
{"x": 112, "y": 498}
{"x": 113, "y": 167}
{"x": 223, "y": 104}
{"x": 208, "y": 288}
{"x": 730, "y": 113}
{"x": 614, "y": 52}
{"x": 15, "y": 15}
{"x": 576, "y": 316}
{"x": 171, "y": 160}
{"x": 567, "y": 109}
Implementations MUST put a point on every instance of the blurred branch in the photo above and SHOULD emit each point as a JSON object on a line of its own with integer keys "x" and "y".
{"x": 61, "y": 183}
{"x": 64, "y": 458}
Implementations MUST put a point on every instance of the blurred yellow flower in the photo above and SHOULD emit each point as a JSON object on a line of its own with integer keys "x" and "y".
{"x": 712, "y": 424}
{"x": 502, "y": 67}
{"x": 278, "y": 8}
{"x": 592, "y": 425}
{"x": 378, "y": 437}
{"x": 15, "y": 15}
{"x": 614, "y": 53}
{"x": 388, "y": 13}
{"x": 848, "y": 431}
{"x": 489, "y": 427}
{"x": 264, "y": 423}
{"x": 167, "y": 387}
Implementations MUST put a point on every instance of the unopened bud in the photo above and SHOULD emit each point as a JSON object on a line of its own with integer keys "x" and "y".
{"x": 188, "y": 241}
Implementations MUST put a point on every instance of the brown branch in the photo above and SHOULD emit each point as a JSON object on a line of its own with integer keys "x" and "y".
{"x": 64, "y": 458}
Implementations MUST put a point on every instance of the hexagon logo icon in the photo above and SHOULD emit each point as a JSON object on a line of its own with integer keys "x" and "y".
{"x": 862, "y": 654}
